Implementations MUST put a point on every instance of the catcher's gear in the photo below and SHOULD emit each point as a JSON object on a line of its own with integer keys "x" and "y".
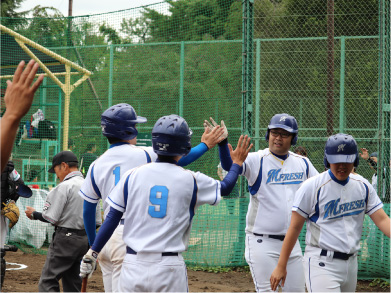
{"x": 341, "y": 148}
{"x": 88, "y": 264}
{"x": 286, "y": 122}
{"x": 11, "y": 211}
{"x": 171, "y": 136}
{"x": 119, "y": 121}
{"x": 214, "y": 124}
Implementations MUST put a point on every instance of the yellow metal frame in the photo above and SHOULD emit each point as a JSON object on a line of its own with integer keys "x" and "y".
{"x": 66, "y": 87}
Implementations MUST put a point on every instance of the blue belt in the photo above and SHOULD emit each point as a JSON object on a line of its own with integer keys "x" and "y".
{"x": 337, "y": 255}
{"x": 278, "y": 237}
{"x": 122, "y": 221}
{"x": 131, "y": 251}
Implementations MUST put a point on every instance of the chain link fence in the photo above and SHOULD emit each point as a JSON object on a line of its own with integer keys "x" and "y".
{"x": 327, "y": 65}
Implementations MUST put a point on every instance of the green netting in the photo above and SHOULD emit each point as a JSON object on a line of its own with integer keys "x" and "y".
{"x": 238, "y": 61}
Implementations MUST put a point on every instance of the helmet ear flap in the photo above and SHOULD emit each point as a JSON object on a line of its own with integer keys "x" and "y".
{"x": 267, "y": 134}
{"x": 356, "y": 161}
{"x": 326, "y": 163}
{"x": 294, "y": 139}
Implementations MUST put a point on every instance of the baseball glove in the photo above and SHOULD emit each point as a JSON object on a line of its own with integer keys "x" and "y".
{"x": 11, "y": 211}
{"x": 214, "y": 124}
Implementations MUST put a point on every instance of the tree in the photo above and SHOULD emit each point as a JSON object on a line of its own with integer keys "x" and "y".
{"x": 9, "y": 7}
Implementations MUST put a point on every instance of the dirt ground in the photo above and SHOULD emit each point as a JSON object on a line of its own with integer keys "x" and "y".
{"x": 26, "y": 280}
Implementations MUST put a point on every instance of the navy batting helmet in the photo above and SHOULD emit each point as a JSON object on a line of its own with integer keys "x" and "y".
{"x": 341, "y": 148}
{"x": 171, "y": 136}
{"x": 284, "y": 121}
{"x": 119, "y": 121}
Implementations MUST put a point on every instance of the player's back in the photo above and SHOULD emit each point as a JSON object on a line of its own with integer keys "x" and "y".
{"x": 160, "y": 200}
{"x": 106, "y": 171}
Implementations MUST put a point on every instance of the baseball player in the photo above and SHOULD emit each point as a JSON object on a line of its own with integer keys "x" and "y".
{"x": 119, "y": 126}
{"x": 158, "y": 202}
{"x": 334, "y": 205}
{"x": 273, "y": 174}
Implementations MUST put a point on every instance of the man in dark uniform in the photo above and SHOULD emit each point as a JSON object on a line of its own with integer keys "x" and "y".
{"x": 12, "y": 186}
{"x": 64, "y": 209}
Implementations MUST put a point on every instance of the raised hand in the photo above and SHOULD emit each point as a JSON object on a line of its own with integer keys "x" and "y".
{"x": 20, "y": 91}
{"x": 211, "y": 137}
{"x": 364, "y": 154}
{"x": 239, "y": 155}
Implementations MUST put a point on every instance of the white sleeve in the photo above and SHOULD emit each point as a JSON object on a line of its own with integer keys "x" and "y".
{"x": 89, "y": 191}
{"x": 151, "y": 153}
{"x": 251, "y": 167}
{"x": 374, "y": 203}
{"x": 305, "y": 199}
{"x": 208, "y": 189}
{"x": 116, "y": 198}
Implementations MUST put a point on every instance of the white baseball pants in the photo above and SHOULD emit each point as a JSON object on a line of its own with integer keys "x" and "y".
{"x": 111, "y": 258}
{"x": 152, "y": 272}
{"x": 262, "y": 255}
{"x": 327, "y": 274}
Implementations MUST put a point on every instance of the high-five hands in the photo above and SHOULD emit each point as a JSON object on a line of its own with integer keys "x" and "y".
{"x": 224, "y": 135}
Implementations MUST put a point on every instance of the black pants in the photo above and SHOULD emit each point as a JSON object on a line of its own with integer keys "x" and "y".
{"x": 2, "y": 267}
{"x": 63, "y": 262}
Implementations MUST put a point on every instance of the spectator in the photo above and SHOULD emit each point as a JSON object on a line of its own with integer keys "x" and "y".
{"x": 372, "y": 161}
{"x": 32, "y": 176}
{"x": 300, "y": 150}
{"x": 87, "y": 158}
{"x": 71, "y": 145}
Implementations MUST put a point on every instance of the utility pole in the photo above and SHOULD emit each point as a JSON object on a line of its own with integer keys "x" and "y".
{"x": 70, "y": 7}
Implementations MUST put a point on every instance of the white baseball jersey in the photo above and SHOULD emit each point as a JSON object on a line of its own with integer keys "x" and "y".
{"x": 335, "y": 210}
{"x": 159, "y": 201}
{"x": 105, "y": 172}
{"x": 272, "y": 184}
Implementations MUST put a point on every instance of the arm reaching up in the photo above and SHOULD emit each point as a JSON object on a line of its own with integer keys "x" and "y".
{"x": 18, "y": 98}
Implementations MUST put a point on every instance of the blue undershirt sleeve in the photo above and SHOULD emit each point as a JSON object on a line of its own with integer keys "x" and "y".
{"x": 195, "y": 153}
{"x": 107, "y": 229}
{"x": 89, "y": 210}
{"x": 229, "y": 180}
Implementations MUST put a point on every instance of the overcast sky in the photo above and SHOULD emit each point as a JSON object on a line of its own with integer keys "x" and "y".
{"x": 87, "y": 7}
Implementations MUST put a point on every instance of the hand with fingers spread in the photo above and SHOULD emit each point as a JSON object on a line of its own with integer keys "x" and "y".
{"x": 224, "y": 135}
{"x": 239, "y": 155}
{"x": 18, "y": 99}
{"x": 278, "y": 275}
{"x": 211, "y": 136}
{"x": 20, "y": 91}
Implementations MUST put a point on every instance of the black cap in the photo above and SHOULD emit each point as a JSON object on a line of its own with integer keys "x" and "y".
{"x": 64, "y": 156}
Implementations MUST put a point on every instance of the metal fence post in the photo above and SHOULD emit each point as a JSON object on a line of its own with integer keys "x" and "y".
{"x": 257, "y": 133}
{"x": 181, "y": 78}
{"x": 342, "y": 88}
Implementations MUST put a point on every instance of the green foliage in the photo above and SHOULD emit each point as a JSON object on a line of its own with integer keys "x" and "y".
{"x": 110, "y": 33}
{"x": 384, "y": 284}
{"x": 9, "y": 7}
{"x": 215, "y": 270}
